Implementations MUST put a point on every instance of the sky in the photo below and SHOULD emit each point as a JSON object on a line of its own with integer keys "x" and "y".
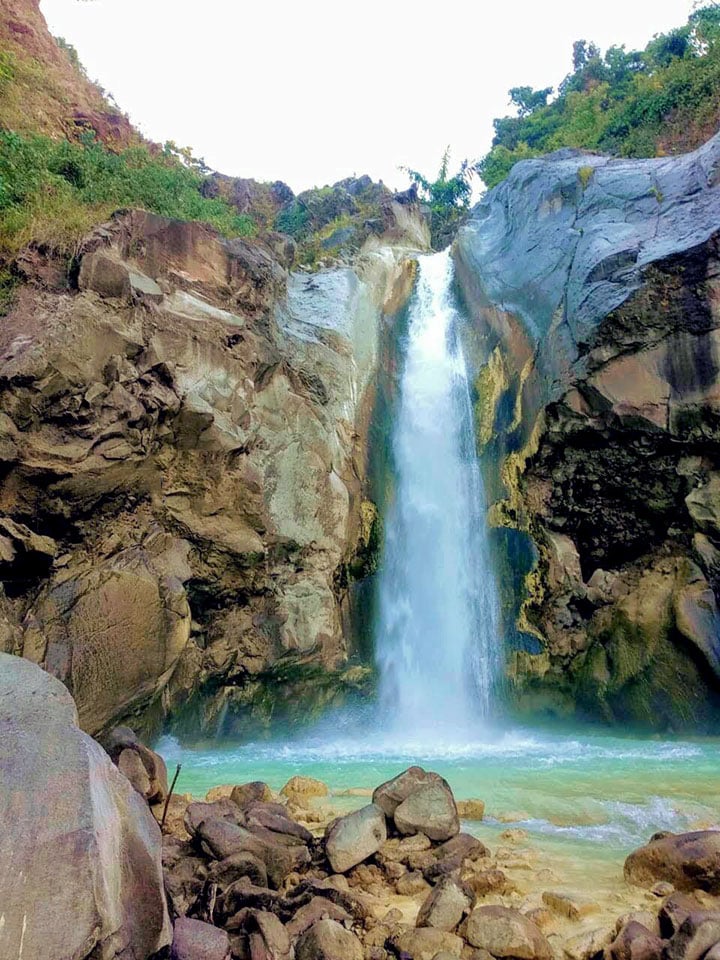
{"x": 311, "y": 92}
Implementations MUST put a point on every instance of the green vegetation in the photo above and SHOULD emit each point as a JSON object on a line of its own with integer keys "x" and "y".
{"x": 448, "y": 198}
{"x": 53, "y": 192}
{"x": 663, "y": 99}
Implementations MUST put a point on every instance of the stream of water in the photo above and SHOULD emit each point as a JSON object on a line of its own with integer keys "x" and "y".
{"x": 594, "y": 795}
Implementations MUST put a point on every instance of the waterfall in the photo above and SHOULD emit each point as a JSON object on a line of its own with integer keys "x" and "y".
{"x": 437, "y": 635}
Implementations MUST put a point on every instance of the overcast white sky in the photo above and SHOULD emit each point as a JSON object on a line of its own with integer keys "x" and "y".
{"x": 310, "y": 92}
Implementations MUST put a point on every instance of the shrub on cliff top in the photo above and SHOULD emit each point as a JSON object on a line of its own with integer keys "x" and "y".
{"x": 662, "y": 99}
{"x": 53, "y": 192}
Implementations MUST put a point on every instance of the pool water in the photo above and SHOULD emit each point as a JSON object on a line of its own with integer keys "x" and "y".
{"x": 584, "y": 793}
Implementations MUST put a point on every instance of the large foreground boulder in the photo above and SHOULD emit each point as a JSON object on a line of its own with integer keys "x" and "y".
{"x": 690, "y": 861}
{"x": 79, "y": 847}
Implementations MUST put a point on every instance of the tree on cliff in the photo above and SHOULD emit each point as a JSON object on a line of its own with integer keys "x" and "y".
{"x": 447, "y": 196}
{"x": 632, "y": 103}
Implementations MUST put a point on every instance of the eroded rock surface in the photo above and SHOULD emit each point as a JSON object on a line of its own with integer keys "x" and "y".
{"x": 183, "y": 447}
{"x": 594, "y": 285}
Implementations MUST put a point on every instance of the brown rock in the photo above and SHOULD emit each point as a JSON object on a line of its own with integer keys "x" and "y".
{"x": 506, "y": 933}
{"x": 678, "y": 906}
{"x": 131, "y": 766}
{"x": 574, "y": 908}
{"x": 470, "y": 809}
{"x": 588, "y": 944}
{"x": 424, "y": 943}
{"x": 327, "y": 940}
{"x": 238, "y": 865}
{"x": 246, "y": 793}
{"x": 485, "y": 882}
{"x": 451, "y": 856}
{"x": 688, "y": 860}
{"x": 445, "y": 906}
{"x": 411, "y": 883}
{"x": 304, "y": 788}
{"x": 319, "y": 908}
{"x": 636, "y": 942}
{"x": 199, "y": 811}
{"x": 195, "y": 940}
{"x": 697, "y": 934}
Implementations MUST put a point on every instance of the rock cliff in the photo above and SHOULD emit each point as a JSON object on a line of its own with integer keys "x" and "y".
{"x": 594, "y": 287}
{"x": 182, "y": 436}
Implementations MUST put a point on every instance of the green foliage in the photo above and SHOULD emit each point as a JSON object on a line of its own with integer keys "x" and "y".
{"x": 585, "y": 176}
{"x": 293, "y": 220}
{"x": 71, "y": 54}
{"x": 52, "y": 192}
{"x": 627, "y": 103}
{"x": 447, "y": 196}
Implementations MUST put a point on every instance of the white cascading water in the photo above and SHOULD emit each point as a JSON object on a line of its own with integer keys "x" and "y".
{"x": 437, "y": 634}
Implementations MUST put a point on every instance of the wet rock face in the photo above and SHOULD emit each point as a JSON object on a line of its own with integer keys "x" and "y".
{"x": 595, "y": 287}
{"x": 182, "y": 445}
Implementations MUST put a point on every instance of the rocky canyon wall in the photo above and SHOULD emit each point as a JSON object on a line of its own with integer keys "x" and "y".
{"x": 182, "y": 488}
{"x": 594, "y": 289}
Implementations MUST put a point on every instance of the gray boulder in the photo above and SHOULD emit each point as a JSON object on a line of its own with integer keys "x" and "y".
{"x": 506, "y": 933}
{"x": 445, "y": 906}
{"x": 430, "y": 809}
{"x": 350, "y": 840}
{"x": 83, "y": 841}
{"x": 389, "y": 795}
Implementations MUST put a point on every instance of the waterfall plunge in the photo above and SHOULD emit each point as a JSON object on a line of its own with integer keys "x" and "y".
{"x": 437, "y": 637}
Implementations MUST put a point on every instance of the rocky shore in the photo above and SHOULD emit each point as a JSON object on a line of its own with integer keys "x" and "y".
{"x": 248, "y": 874}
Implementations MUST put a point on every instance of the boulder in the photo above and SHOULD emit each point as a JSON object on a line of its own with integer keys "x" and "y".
{"x": 318, "y": 908}
{"x": 355, "y": 837}
{"x": 506, "y": 933}
{"x": 411, "y": 883}
{"x": 273, "y": 817}
{"x": 151, "y": 781}
{"x": 245, "y": 793}
{"x": 697, "y": 934}
{"x": 222, "y": 839}
{"x": 83, "y": 841}
{"x": 429, "y": 809}
{"x": 304, "y": 788}
{"x": 195, "y": 940}
{"x": 588, "y": 944}
{"x": 688, "y": 860}
{"x": 445, "y": 906}
{"x": 485, "y": 882}
{"x": 238, "y": 865}
{"x": 389, "y": 795}
{"x": 677, "y": 906}
{"x": 424, "y": 943}
{"x": 450, "y": 857}
{"x": 636, "y": 942}
{"x": 267, "y": 937}
{"x": 470, "y": 809}
{"x": 199, "y": 810}
{"x": 327, "y": 940}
